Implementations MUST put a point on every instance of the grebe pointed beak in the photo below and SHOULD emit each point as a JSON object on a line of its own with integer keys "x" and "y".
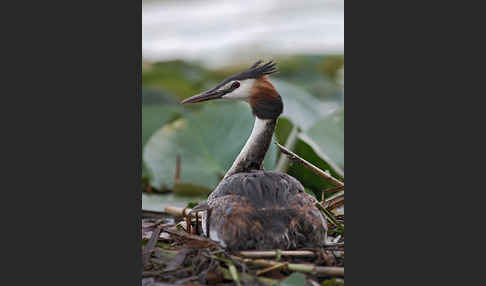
{"x": 205, "y": 96}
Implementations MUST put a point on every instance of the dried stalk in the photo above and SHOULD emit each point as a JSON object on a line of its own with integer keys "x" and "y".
{"x": 307, "y": 268}
{"x": 190, "y": 236}
{"x": 310, "y": 166}
{"x": 271, "y": 268}
{"x": 330, "y": 216}
{"x": 335, "y": 190}
{"x": 273, "y": 254}
{"x": 180, "y": 211}
{"x": 147, "y": 251}
{"x": 188, "y": 224}
{"x": 266, "y": 281}
{"x": 334, "y": 203}
{"x": 177, "y": 176}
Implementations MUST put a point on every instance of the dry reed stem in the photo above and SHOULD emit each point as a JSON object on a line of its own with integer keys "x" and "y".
{"x": 272, "y": 254}
{"x": 310, "y": 166}
{"x": 180, "y": 211}
{"x": 307, "y": 268}
{"x": 271, "y": 268}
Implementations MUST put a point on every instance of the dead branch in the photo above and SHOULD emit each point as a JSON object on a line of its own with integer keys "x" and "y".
{"x": 147, "y": 251}
{"x": 334, "y": 203}
{"x": 271, "y": 254}
{"x": 180, "y": 211}
{"x": 190, "y": 236}
{"x": 271, "y": 268}
{"x": 294, "y": 157}
{"x": 307, "y": 268}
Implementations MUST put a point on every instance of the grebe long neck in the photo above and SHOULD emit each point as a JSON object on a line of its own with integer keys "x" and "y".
{"x": 253, "y": 153}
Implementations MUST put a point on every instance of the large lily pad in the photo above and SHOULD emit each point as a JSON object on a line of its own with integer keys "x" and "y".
{"x": 296, "y": 279}
{"x": 327, "y": 137}
{"x": 155, "y": 116}
{"x": 308, "y": 178}
{"x": 311, "y": 151}
{"x": 158, "y": 108}
{"x": 207, "y": 142}
{"x": 301, "y": 107}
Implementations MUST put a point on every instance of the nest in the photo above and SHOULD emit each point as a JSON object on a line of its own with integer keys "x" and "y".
{"x": 174, "y": 253}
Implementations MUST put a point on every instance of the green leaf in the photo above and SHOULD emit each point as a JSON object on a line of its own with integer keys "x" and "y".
{"x": 330, "y": 217}
{"x": 234, "y": 273}
{"x": 308, "y": 151}
{"x": 333, "y": 282}
{"x": 300, "y": 106}
{"x": 155, "y": 116}
{"x": 283, "y": 130}
{"x": 158, "y": 108}
{"x": 308, "y": 178}
{"x": 155, "y": 96}
{"x": 327, "y": 137}
{"x": 207, "y": 142}
{"x": 296, "y": 279}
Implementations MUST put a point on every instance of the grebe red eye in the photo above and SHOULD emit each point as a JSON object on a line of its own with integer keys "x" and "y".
{"x": 235, "y": 84}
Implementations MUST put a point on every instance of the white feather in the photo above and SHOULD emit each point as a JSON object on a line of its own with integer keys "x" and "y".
{"x": 213, "y": 235}
{"x": 259, "y": 128}
{"x": 241, "y": 93}
{"x": 204, "y": 222}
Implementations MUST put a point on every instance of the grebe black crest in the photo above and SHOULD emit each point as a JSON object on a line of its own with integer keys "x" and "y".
{"x": 252, "y": 208}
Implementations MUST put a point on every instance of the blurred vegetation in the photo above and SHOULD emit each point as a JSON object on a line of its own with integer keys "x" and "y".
{"x": 209, "y": 136}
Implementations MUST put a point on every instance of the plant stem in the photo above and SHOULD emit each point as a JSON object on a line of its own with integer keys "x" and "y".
{"x": 271, "y": 268}
{"x": 329, "y": 215}
{"x": 283, "y": 162}
{"x": 310, "y": 166}
{"x": 273, "y": 254}
{"x": 307, "y": 268}
{"x": 266, "y": 281}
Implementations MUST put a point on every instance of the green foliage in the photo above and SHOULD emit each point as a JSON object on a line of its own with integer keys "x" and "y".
{"x": 308, "y": 178}
{"x": 209, "y": 136}
{"x": 333, "y": 282}
{"x": 322, "y": 145}
{"x": 327, "y": 137}
{"x": 158, "y": 108}
{"x": 179, "y": 78}
{"x": 301, "y": 107}
{"x": 154, "y": 117}
{"x": 316, "y": 74}
{"x": 207, "y": 142}
{"x": 296, "y": 279}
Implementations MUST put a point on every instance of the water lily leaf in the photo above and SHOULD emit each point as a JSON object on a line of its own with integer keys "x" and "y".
{"x": 327, "y": 137}
{"x": 158, "y": 108}
{"x": 283, "y": 130}
{"x": 296, "y": 279}
{"x": 207, "y": 142}
{"x": 155, "y": 116}
{"x": 308, "y": 178}
{"x": 301, "y": 107}
{"x": 308, "y": 152}
{"x": 155, "y": 96}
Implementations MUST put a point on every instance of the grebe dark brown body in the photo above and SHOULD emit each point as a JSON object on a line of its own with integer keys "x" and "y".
{"x": 263, "y": 210}
{"x": 252, "y": 208}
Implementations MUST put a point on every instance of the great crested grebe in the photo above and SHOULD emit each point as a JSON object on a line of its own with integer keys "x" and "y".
{"x": 252, "y": 208}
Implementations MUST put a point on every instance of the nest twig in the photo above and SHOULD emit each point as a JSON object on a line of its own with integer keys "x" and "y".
{"x": 294, "y": 157}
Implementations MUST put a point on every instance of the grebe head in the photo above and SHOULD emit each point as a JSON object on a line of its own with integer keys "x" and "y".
{"x": 251, "y": 85}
